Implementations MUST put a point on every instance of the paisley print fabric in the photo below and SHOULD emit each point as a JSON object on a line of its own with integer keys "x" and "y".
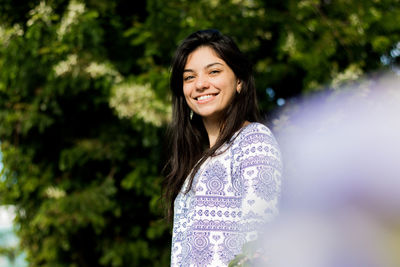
{"x": 233, "y": 195}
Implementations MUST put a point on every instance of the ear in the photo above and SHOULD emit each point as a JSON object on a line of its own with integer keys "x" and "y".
{"x": 238, "y": 86}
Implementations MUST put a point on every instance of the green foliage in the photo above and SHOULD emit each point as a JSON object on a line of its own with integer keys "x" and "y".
{"x": 84, "y": 102}
{"x": 296, "y": 46}
{"x": 69, "y": 159}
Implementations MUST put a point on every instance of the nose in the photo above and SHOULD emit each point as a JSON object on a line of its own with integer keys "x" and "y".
{"x": 202, "y": 82}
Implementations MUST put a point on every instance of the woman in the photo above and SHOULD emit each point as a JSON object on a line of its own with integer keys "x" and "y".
{"x": 224, "y": 170}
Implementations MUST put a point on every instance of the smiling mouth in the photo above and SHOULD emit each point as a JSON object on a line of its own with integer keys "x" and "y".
{"x": 205, "y": 97}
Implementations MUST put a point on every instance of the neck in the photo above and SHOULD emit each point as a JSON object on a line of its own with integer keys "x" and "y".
{"x": 212, "y": 128}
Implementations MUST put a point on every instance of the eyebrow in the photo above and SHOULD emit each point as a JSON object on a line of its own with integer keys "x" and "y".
{"x": 208, "y": 66}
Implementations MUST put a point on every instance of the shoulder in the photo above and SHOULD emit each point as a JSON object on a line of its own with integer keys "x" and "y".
{"x": 256, "y": 127}
{"x": 256, "y": 142}
{"x": 254, "y": 133}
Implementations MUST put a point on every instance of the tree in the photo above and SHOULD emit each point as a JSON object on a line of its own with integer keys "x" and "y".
{"x": 296, "y": 46}
{"x": 84, "y": 179}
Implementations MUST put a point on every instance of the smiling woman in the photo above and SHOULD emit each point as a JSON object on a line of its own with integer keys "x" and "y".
{"x": 209, "y": 85}
{"x": 225, "y": 169}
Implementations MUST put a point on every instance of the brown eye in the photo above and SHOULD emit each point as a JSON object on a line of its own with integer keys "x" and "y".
{"x": 214, "y": 71}
{"x": 187, "y": 78}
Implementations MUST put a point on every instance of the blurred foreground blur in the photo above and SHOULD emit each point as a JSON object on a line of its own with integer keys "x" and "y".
{"x": 341, "y": 194}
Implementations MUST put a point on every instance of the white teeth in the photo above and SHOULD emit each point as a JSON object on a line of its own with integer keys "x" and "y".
{"x": 203, "y": 97}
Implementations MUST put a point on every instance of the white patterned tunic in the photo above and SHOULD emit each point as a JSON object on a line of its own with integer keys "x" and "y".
{"x": 232, "y": 195}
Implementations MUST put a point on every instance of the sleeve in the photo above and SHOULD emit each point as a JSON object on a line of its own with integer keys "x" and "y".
{"x": 258, "y": 169}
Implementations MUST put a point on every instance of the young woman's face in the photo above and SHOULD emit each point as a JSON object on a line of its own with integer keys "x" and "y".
{"x": 209, "y": 84}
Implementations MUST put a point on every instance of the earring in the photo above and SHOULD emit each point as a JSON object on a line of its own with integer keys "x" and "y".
{"x": 191, "y": 114}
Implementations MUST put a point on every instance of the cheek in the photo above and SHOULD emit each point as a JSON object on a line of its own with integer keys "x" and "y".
{"x": 186, "y": 91}
{"x": 230, "y": 89}
{"x": 186, "y": 94}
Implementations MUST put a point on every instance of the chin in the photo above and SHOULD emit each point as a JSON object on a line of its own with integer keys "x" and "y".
{"x": 206, "y": 114}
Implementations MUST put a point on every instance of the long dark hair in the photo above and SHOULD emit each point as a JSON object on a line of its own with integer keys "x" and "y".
{"x": 189, "y": 140}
